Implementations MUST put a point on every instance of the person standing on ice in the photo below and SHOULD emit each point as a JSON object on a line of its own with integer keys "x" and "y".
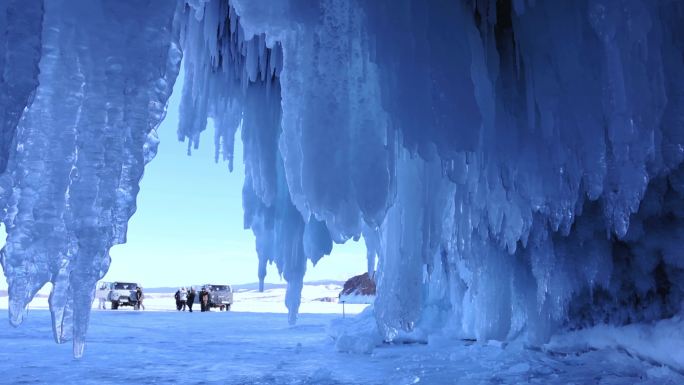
{"x": 102, "y": 292}
{"x": 204, "y": 300}
{"x": 139, "y": 295}
{"x": 191, "y": 298}
{"x": 177, "y": 297}
{"x": 183, "y": 298}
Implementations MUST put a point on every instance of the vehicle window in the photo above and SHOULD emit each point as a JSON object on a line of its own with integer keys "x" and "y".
{"x": 219, "y": 288}
{"x": 125, "y": 286}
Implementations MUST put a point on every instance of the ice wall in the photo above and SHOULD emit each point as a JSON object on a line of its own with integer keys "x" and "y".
{"x": 20, "y": 27}
{"x": 514, "y": 164}
{"x": 104, "y": 75}
{"x": 235, "y": 76}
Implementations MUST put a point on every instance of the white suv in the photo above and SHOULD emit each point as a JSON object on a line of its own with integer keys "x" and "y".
{"x": 120, "y": 294}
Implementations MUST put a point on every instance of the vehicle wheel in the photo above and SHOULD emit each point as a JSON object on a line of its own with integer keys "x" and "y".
{"x": 227, "y": 307}
{"x": 115, "y": 305}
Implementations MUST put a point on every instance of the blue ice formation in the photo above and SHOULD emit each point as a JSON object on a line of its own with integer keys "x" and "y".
{"x": 91, "y": 80}
{"x": 515, "y": 166}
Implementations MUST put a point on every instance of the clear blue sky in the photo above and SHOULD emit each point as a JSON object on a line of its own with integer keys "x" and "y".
{"x": 188, "y": 226}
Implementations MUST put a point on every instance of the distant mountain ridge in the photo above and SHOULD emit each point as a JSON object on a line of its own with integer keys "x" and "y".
{"x": 247, "y": 286}
{"x": 237, "y": 287}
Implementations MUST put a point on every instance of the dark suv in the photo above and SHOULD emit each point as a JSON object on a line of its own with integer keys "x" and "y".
{"x": 220, "y": 296}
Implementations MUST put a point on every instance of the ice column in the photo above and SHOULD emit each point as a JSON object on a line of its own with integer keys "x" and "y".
{"x": 106, "y": 72}
{"x": 516, "y": 166}
{"x": 553, "y": 132}
{"x": 559, "y": 125}
{"x": 233, "y": 77}
{"x": 21, "y": 25}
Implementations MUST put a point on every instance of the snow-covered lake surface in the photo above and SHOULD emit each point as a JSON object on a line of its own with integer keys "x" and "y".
{"x": 318, "y": 299}
{"x": 160, "y": 347}
{"x": 253, "y": 344}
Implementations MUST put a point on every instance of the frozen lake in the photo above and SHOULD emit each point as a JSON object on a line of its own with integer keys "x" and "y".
{"x": 153, "y": 347}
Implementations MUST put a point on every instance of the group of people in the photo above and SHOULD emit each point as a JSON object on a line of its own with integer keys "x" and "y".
{"x": 186, "y": 298}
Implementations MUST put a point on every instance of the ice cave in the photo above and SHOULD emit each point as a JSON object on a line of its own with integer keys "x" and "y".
{"x": 515, "y": 167}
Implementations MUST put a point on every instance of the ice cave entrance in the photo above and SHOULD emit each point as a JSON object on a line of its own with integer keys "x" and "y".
{"x": 188, "y": 226}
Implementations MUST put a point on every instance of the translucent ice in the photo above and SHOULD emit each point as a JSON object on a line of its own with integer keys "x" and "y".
{"x": 514, "y": 166}
{"x": 106, "y": 71}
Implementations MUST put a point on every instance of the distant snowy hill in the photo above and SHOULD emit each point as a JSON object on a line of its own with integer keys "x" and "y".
{"x": 245, "y": 286}
{"x": 318, "y": 297}
{"x": 269, "y": 286}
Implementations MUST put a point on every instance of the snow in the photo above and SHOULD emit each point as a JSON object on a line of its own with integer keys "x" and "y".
{"x": 517, "y": 169}
{"x": 357, "y": 335}
{"x": 357, "y": 298}
{"x": 316, "y": 299}
{"x": 661, "y": 342}
{"x": 260, "y": 348}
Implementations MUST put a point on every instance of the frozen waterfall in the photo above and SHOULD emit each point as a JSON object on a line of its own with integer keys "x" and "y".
{"x": 515, "y": 166}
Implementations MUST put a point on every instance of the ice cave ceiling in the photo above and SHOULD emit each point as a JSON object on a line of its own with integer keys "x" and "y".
{"x": 515, "y": 166}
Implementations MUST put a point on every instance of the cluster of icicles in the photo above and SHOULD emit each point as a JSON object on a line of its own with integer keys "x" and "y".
{"x": 514, "y": 167}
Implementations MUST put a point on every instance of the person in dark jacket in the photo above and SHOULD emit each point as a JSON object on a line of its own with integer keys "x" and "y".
{"x": 191, "y": 298}
{"x": 178, "y": 301}
{"x": 204, "y": 300}
{"x": 139, "y": 295}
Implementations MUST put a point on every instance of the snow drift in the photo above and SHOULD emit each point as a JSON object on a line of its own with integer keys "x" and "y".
{"x": 515, "y": 166}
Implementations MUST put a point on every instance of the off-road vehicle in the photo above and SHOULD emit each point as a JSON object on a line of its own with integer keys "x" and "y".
{"x": 220, "y": 296}
{"x": 122, "y": 294}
